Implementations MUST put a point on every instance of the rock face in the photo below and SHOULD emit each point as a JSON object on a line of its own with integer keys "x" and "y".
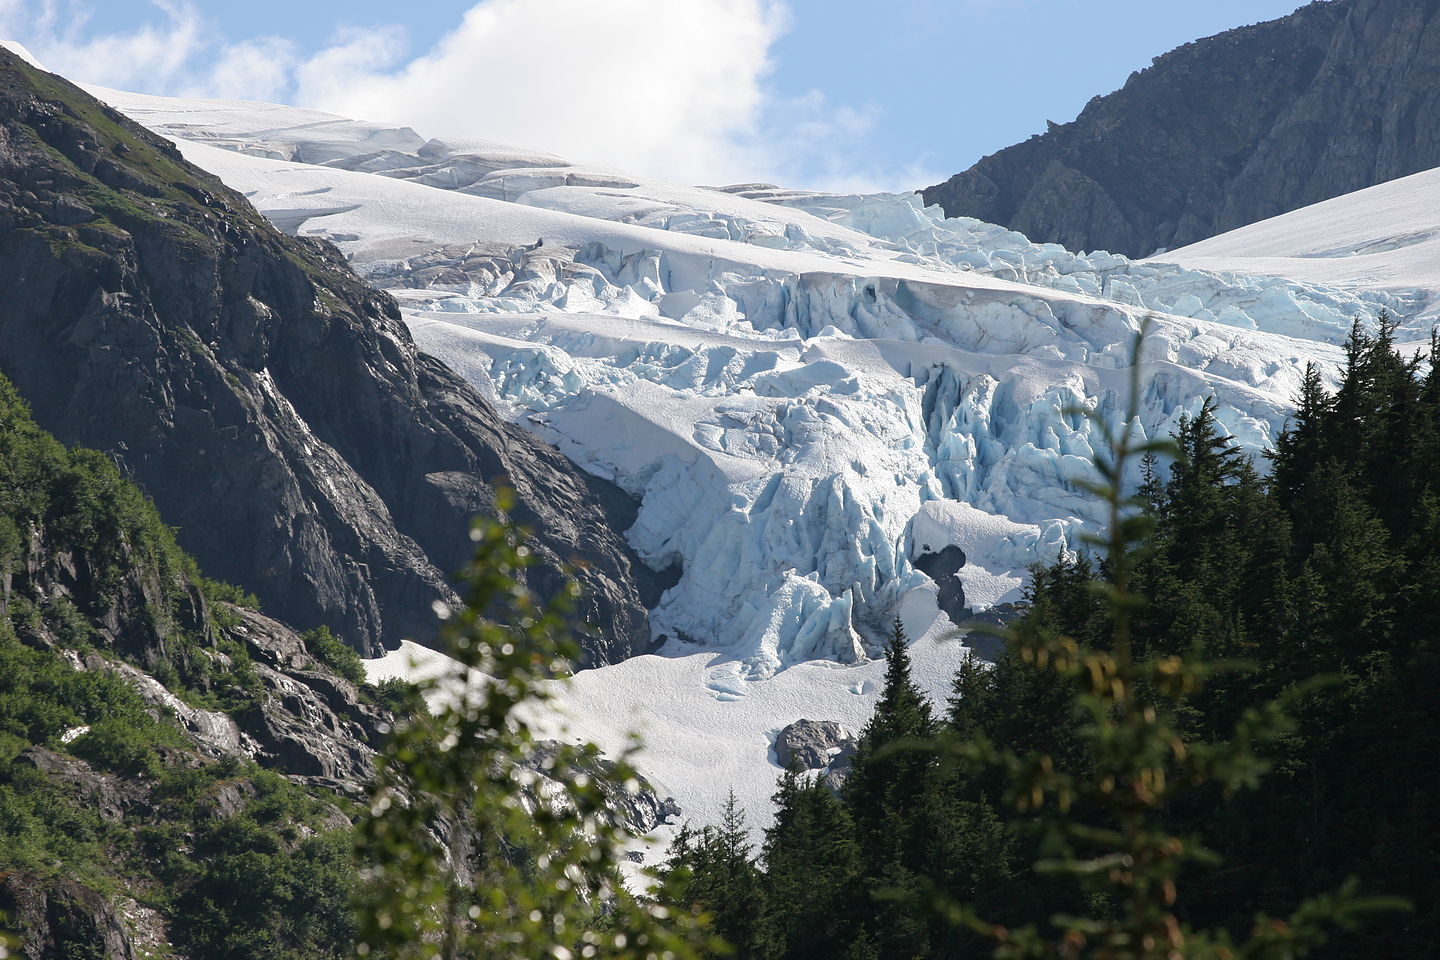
{"x": 61, "y": 918}
{"x": 942, "y": 567}
{"x": 821, "y": 745}
{"x": 306, "y": 724}
{"x": 91, "y": 582}
{"x": 1242, "y": 126}
{"x": 273, "y": 406}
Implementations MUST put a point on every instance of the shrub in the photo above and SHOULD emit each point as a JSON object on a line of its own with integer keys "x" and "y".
{"x": 329, "y": 650}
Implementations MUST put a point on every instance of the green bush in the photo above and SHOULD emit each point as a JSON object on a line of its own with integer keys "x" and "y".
{"x": 114, "y": 745}
{"x": 329, "y": 650}
{"x": 399, "y": 696}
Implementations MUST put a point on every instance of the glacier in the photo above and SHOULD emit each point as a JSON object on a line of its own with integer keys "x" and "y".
{"x": 805, "y": 392}
{"x": 813, "y": 398}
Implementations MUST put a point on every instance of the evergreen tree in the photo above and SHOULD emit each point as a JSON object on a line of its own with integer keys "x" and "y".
{"x": 886, "y": 773}
{"x": 888, "y": 794}
{"x": 713, "y": 870}
{"x": 1111, "y": 829}
{"x": 812, "y": 873}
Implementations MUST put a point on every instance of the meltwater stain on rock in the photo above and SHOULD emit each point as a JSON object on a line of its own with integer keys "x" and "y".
{"x": 942, "y": 567}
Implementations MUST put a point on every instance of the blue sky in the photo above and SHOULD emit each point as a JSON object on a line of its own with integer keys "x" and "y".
{"x": 839, "y": 93}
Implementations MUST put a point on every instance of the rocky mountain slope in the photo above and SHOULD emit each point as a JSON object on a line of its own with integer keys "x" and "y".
{"x": 178, "y": 771}
{"x": 1241, "y": 126}
{"x": 275, "y": 407}
{"x": 157, "y": 741}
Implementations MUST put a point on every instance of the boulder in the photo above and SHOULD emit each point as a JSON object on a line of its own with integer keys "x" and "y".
{"x": 813, "y": 744}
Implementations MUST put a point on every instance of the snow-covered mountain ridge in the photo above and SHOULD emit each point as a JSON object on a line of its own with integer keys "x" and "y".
{"x": 805, "y": 392}
{"x": 1385, "y": 237}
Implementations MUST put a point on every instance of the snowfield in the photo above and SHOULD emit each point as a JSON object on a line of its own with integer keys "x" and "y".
{"x": 700, "y": 739}
{"x": 807, "y": 394}
{"x": 1385, "y": 237}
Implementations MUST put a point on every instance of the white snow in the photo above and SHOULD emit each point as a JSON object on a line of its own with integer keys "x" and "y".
{"x": 1385, "y": 237}
{"x": 19, "y": 49}
{"x": 706, "y": 728}
{"x": 805, "y": 392}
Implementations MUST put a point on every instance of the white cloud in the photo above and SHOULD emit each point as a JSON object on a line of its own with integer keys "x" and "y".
{"x": 258, "y": 69}
{"x": 673, "y": 88}
{"x": 152, "y": 56}
{"x": 654, "y": 86}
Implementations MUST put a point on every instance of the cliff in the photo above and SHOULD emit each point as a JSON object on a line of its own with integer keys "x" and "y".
{"x": 273, "y": 406}
{"x": 1238, "y": 127}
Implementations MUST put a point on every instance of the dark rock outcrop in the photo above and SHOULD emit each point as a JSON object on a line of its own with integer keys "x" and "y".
{"x": 941, "y": 567}
{"x": 817, "y": 745}
{"x": 62, "y": 918}
{"x": 112, "y": 797}
{"x": 808, "y": 743}
{"x": 273, "y": 406}
{"x": 1238, "y": 127}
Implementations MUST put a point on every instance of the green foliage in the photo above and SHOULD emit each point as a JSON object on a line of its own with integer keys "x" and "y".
{"x": 890, "y": 793}
{"x": 1106, "y": 817}
{"x": 42, "y": 696}
{"x": 885, "y": 777}
{"x": 222, "y": 596}
{"x": 329, "y": 650}
{"x": 273, "y": 879}
{"x": 1322, "y": 570}
{"x": 112, "y": 744}
{"x": 541, "y": 879}
{"x": 1122, "y": 781}
{"x": 813, "y": 888}
{"x": 399, "y": 696}
{"x": 80, "y": 501}
{"x": 264, "y": 890}
{"x": 712, "y": 871}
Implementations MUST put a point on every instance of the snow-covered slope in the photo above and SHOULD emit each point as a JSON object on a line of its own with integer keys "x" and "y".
{"x": 1385, "y": 237}
{"x": 700, "y": 741}
{"x": 808, "y": 394}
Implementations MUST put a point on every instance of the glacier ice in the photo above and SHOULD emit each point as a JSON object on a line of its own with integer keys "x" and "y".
{"x": 804, "y": 392}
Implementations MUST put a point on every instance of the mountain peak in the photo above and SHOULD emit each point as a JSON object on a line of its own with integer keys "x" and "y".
{"x": 1224, "y": 131}
{"x": 273, "y": 405}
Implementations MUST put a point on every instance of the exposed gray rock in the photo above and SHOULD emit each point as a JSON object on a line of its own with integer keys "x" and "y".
{"x": 298, "y": 734}
{"x": 59, "y": 918}
{"x": 839, "y": 770}
{"x": 814, "y": 745}
{"x": 941, "y": 567}
{"x": 636, "y": 805}
{"x": 227, "y": 799}
{"x": 1225, "y": 131}
{"x": 213, "y": 732}
{"x": 273, "y": 405}
{"x": 108, "y": 795}
{"x": 985, "y": 644}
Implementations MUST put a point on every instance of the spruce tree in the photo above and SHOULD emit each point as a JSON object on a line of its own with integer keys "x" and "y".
{"x": 713, "y": 870}
{"x": 886, "y": 771}
{"x": 1111, "y": 830}
{"x": 887, "y": 795}
{"x": 812, "y": 872}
